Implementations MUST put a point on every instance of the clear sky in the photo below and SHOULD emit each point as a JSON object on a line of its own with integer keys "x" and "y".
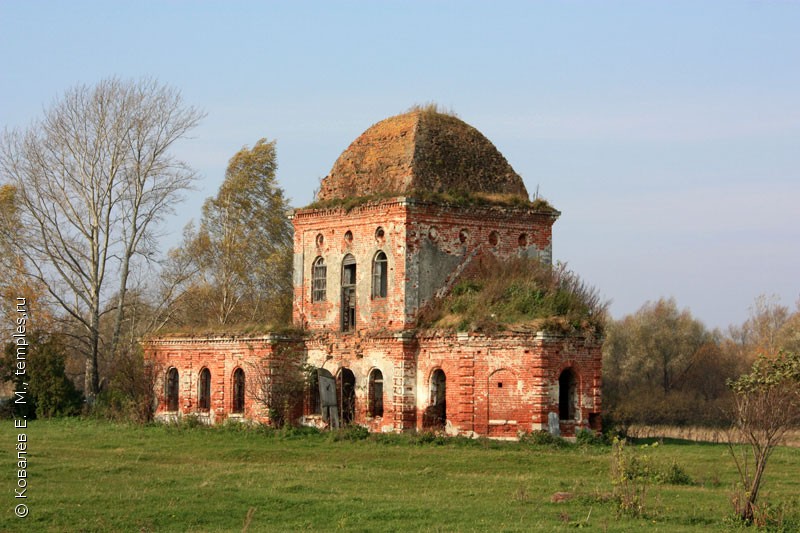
{"x": 668, "y": 134}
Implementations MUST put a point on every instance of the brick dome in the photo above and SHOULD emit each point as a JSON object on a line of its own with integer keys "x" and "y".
{"x": 420, "y": 151}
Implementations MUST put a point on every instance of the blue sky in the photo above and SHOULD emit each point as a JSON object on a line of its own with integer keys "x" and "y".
{"x": 668, "y": 134}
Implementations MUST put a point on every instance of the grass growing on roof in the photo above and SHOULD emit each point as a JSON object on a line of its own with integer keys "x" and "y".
{"x": 505, "y": 294}
{"x": 458, "y": 198}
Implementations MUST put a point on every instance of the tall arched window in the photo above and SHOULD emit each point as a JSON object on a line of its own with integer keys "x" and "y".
{"x": 172, "y": 389}
{"x": 349, "y": 293}
{"x": 319, "y": 277}
{"x": 567, "y": 395}
{"x": 238, "y": 391}
{"x": 379, "y": 275}
{"x": 204, "y": 390}
{"x": 376, "y": 393}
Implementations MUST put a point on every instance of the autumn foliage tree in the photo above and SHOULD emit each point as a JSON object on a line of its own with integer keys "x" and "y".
{"x": 662, "y": 366}
{"x": 236, "y": 266}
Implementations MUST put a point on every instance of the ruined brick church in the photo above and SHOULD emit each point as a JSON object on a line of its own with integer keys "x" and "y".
{"x": 383, "y": 239}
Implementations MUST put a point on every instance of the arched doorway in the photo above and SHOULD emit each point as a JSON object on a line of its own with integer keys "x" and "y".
{"x": 313, "y": 402}
{"x": 346, "y": 393}
{"x": 435, "y": 415}
{"x": 567, "y": 395}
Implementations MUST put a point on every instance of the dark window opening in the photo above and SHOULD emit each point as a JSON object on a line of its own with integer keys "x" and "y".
{"x": 346, "y": 385}
{"x": 319, "y": 281}
{"x": 349, "y": 293}
{"x": 499, "y": 384}
{"x": 567, "y": 395}
{"x": 376, "y": 393}
{"x": 494, "y": 238}
{"x": 379, "y": 275}
{"x": 204, "y": 390}
{"x": 435, "y": 415}
{"x": 172, "y": 389}
{"x": 238, "y": 391}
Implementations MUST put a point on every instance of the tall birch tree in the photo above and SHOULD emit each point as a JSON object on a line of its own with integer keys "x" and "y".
{"x": 241, "y": 254}
{"x": 92, "y": 180}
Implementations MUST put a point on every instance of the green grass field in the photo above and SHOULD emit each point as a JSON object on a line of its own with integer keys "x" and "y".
{"x": 86, "y": 475}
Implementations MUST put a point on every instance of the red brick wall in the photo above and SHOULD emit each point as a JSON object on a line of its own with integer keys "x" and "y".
{"x": 222, "y": 356}
{"x": 362, "y": 223}
{"x": 528, "y": 367}
{"x": 497, "y": 385}
{"x": 427, "y": 246}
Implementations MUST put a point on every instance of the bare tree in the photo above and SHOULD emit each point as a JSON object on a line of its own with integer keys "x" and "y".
{"x": 279, "y": 383}
{"x": 93, "y": 178}
{"x": 767, "y": 405}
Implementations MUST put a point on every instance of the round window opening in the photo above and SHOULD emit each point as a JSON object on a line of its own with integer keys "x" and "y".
{"x": 379, "y": 234}
{"x": 523, "y": 240}
{"x": 463, "y": 236}
{"x": 348, "y": 237}
{"x": 494, "y": 238}
{"x": 320, "y": 239}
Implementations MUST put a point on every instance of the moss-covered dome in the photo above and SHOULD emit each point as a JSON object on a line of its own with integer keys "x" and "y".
{"x": 421, "y": 151}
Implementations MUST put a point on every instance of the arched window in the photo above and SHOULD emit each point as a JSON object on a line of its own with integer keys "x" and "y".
{"x": 376, "y": 393}
{"x": 172, "y": 389}
{"x": 238, "y": 391}
{"x": 204, "y": 390}
{"x": 379, "y": 275}
{"x": 567, "y": 395}
{"x": 349, "y": 293}
{"x": 319, "y": 280}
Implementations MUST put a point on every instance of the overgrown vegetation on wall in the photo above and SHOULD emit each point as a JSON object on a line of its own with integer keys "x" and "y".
{"x": 455, "y": 197}
{"x": 496, "y": 295}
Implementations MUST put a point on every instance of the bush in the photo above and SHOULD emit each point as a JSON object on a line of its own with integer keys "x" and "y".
{"x": 429, "y": 437}
{"x": 351, "y": 433}
{"x": 50, "y": 392}
{"x": 587, "y": 437}
{"x": 130, "y": 394}
{"x": 675, "y": 475}
{"x": 631, "y": 475}
{"x": 542, "y": 438}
